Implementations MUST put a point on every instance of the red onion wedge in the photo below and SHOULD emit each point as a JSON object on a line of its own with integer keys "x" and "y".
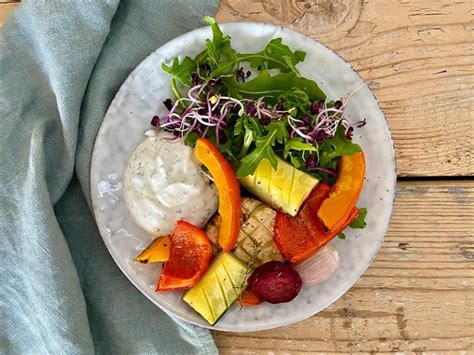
{"x": 320, "y": 266}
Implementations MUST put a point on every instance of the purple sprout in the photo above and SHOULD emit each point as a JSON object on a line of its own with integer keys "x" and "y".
{"x": 195, "y": 79}
{"x": 168, "y": 104}
{"x": 155, "y": 121}
{"x": 242, "y": 75}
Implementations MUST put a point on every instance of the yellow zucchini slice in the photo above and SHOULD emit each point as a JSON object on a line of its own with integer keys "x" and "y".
{"x": 285, "y": 188}
{"x": 219, "y": 288}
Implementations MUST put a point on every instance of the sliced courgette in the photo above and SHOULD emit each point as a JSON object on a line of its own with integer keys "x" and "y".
{"x": 285, "y": 188}
{"x": 219, "y": 288}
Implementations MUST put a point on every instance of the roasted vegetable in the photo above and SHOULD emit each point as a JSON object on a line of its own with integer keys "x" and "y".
{"x": 255, "y": 244}
{"x": 320, "y": 266}
{"x": 190, "y": 255}
{"x": 228, "y": 189}
{"x": 218, "y": 289}
{"x": 301, "y": 236}
{"x": 157, "y": 251}
{"x": 285, "y": 188}
{"x": 275, "y": 282}
{"x": 248, "y": 298}
{"x": 336, "y": 209}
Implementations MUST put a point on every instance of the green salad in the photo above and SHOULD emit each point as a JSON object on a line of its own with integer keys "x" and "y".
{"x": 263, "y": 112}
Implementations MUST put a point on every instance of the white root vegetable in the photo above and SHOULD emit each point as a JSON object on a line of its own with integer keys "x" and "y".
{"x": 320, "y": 266}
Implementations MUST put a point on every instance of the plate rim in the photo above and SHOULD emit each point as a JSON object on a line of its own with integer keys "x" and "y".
{"x": 330, "y": 301}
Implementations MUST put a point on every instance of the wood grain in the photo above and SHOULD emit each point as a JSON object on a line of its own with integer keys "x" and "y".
{"x": 5, "y": 10}
{"x": 418, "y": 57}
{"x": 417, "y": 296}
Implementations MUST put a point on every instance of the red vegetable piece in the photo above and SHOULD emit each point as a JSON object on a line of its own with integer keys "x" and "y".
{"x": 190, "y": 255}
{"x": 299, "y": 237}
{"x": 248, "y": 298}
{"x": 275, "y": 282}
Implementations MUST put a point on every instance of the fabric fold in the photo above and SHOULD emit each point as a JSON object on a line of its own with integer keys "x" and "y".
{"x": 61, "y": 63}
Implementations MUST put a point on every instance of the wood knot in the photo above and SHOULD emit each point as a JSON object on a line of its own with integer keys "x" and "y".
{"x": 315, "y": 15}
{"x": 324, "y": 13}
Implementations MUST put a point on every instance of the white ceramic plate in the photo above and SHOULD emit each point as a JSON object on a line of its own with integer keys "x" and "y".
{"x": 128, "y": 117}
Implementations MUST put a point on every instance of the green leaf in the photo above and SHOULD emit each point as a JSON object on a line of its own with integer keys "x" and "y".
{"x": 219, "y": 49}
{"x": 297, "y": 144}
{"x": 217, "y": 34}
{"x": 341, "y": 236}
{"x": 191, "y": 139}
{"x": 263, "y": 149}
{"x": 266, "y": 85}
{"x": 332, "y": 149}
{"x": 295, "y": 161}
{"x": 275, "y": 55}
{"x": 359, "y": 222}
{"x": 181, "y": 71}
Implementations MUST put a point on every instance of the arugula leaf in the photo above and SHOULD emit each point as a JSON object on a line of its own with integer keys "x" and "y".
{"x": 191, "y": 139}
{"x": 263, "y": 149}
{"x": 332, "y": 149}
{"x": 266, "y": 85}
{"x": 341, "y": 236}
{"x": 275, "y": 55}
{"x": 359, "y": 222}
{"x": 218, "y": 47}
{"x": 181, "y": 71}
{"x": 297, "y": 144}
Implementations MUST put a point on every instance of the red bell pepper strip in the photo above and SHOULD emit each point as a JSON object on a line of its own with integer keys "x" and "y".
{"x": 299, "y": 237}
{"x": 190, "y": 254}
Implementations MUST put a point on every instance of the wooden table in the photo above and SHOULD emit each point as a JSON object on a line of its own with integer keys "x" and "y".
{"x": 418, "y": 56}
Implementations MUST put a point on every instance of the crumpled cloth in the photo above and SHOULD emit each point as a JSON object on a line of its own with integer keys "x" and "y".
{"x": 61, "y": 63}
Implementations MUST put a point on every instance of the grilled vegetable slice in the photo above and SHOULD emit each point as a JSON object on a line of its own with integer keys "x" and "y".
{"x": 255, "y": 244}
{"x": 338, "y": 207}
{"x": 190, "y": 255}
{"x": 299, "y": 237}
{"x": 285, "y": 188}
{"x": 158, "y": 251}
{"x": 218, "y": 289}
{"x": 248, "y": 298}
{"x": 227, "y": 187}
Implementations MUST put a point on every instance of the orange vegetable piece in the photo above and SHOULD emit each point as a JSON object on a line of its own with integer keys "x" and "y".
{"x": 228, "y": 189}
{"x": 248, "y": 298}
{"x": 299, "y": 237}
{"x": 336, "y": 209}
{"x": 157, "y": 251}
{"x": 190, "y": 254}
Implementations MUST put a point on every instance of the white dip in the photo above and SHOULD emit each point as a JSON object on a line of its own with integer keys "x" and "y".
{"x": 162, "y": 184}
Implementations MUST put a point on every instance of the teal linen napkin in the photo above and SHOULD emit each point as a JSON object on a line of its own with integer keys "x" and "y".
{"x": 61, "y": 63}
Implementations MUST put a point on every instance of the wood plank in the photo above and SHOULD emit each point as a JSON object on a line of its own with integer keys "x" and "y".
{"x": 417, "y": 296}
{"x": 5, "y": 10}
{"x": 418, "y": 57}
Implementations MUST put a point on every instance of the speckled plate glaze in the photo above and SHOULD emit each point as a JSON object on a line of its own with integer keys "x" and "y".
{"x": 128, "y": 117}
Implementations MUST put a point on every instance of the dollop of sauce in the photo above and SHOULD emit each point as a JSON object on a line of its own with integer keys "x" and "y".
{"x": 163, "y": 184}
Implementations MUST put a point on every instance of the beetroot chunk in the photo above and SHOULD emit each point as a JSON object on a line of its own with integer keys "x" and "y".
{"x": 275, "y": 282}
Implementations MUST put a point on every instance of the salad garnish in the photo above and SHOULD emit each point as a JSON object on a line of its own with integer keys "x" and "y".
{"x": 266, "y": 111}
